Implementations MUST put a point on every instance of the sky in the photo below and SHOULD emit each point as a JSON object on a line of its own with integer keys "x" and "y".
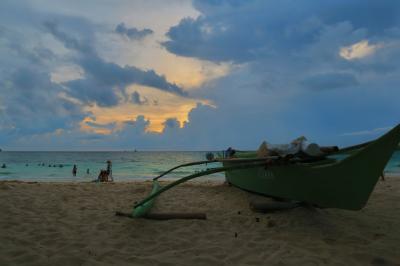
{"x": 196, "y": 75}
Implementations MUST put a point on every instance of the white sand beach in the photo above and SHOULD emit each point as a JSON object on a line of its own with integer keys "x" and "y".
{"x": 74, "y": 224}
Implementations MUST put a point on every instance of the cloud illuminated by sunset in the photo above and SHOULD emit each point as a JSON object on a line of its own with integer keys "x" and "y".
{"x": 358, "y": 50}
{"x": 157, "y": 108}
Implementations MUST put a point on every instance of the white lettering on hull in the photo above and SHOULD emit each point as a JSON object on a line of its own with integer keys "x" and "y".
{"x": 266, "y": 174}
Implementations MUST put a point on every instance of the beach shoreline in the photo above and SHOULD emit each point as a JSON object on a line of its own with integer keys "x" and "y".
{"x": 74, "y": 223}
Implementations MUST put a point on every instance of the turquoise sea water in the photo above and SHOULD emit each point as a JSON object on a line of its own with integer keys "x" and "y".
{"x": 45, "y": 166}
{"x": 28, "y": 166}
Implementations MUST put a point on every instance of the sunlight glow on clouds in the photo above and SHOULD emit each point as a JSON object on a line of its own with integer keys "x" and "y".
{"x": 189, "y": 73}
{"x": 158, "y": 107}
{"x": 359, "y": 50}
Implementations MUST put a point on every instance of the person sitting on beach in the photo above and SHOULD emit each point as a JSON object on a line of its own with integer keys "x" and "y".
{"x": 4, "y": 165}
{"x": 103, "y": 176}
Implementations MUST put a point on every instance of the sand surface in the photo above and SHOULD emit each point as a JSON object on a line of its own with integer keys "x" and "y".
{"x": 74, "y": 224}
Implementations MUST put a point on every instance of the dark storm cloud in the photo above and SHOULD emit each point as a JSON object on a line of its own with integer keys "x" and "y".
{"x": 90, "y": 90}
{"x": 243, "y": 31}
{"x": 136, "y": 98}
{"x": 140, "y": 122}
{"x": 69, "y": 42}
{"x": 171, "y": 123}
{"x": 111, "y": 74}
{"x": 103, "y": 79}
{"x": 32, "y": 104}
{"x": 36, "y": 55}
{"x": 132, "y": 33}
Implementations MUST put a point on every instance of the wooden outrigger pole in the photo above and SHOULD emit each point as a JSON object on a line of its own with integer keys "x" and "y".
{"x": 143, "y": 207}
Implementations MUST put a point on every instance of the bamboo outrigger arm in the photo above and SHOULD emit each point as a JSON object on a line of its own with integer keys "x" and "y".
{"x": 216, "y": 161}
{"x": 184, "y": 165}
{"x": 143, "y": 207}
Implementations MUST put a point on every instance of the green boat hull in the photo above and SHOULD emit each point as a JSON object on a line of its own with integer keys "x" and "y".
{"x": 345, "y": 184}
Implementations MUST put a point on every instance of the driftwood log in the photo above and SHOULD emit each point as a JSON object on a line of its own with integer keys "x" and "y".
{"x": 167, "y": 215}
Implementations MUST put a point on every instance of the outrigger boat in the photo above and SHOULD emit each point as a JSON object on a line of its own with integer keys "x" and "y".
{"x": 327, "y": 182}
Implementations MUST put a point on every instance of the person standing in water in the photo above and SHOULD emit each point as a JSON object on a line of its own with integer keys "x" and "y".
{"x": 74, "y": 170}
{"x": 109, "y": 171}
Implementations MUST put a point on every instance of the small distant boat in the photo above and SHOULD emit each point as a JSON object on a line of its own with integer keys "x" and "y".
{"x": 326, "y": 182}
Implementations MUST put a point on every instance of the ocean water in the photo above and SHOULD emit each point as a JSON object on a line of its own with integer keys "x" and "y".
{"x": 57, "y": 166}
{"x": 393, "y": 166}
